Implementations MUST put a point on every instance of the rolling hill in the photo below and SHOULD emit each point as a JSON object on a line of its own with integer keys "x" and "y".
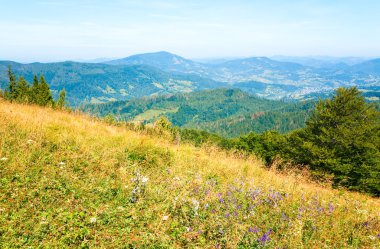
{"x": 163, "y": 60}
{"x": 227, "y": 112}
{"x": 68, "y": 180}
{"x": 163, "y": 73}
{"x": 97, "y": 83}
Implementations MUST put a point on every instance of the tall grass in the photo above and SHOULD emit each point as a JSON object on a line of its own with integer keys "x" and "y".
{"x": 67, "y": 180}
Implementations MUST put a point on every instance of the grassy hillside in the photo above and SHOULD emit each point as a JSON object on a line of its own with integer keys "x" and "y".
{"x": 71, "y": 181}
{"x": 227, "y": 112}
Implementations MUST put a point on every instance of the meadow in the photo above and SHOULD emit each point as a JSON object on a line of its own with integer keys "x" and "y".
{"x": 70, "y": 180}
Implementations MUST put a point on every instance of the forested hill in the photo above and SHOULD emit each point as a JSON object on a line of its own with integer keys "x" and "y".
{"x": 97, "y": 83}
{"x": 227, "y": 112}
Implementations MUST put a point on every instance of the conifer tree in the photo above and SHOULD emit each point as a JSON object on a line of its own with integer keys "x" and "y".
{"x": 45, "y": 97}
{"x": 23, "y": 90}
{"x": 12, "y": 92}
{"x": 35, "y": 90}
{"x": 342, "y": 137}
{"x": 61, "y": 103}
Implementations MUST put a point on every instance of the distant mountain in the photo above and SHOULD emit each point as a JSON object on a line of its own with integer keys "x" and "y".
{"x": 163, "y": 72}
{"x": 368, "y": 67}
{"x": 214, "y": 61}
{"x": 261, "y": 69}
{"x": 164, "y": 61}
{"x": 322, "y": 61}
{"x": 97, "y": 83}
{"x": 227, "y": 112}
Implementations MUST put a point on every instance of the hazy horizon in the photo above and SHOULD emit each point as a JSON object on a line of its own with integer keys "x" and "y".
{"x": 53, "y": 30}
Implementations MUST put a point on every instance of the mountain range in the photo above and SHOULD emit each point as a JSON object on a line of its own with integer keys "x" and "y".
{"x": 165, "y": 73}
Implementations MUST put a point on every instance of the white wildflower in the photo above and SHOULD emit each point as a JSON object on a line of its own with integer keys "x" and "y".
{"x": 165, "y": 218}
{"x": 30, "y": 141}
{"x": 93, "y": 220}
{"x": 61, "y": 163}
{"x": 4, "y": 159}
{"x": 196, "y": 204}
{"x": 176, "y": 178}
{"x": 144, "y": 179}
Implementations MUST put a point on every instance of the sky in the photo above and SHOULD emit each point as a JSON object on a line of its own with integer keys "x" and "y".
{"x": 57, "y": 30}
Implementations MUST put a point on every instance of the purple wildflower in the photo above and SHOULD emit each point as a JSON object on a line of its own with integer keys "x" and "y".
{"x": 253, "y": 230}
{"x": 331, "y": 207}
{"x": 228, "y": 215}
{"x": 265, "y": 238}
{"x": 284, "y": 217}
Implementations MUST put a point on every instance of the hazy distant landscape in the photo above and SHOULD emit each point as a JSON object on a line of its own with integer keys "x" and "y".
{"x": 163, "y": 73}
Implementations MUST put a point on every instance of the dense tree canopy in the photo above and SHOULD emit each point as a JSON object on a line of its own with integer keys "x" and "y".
{"x": 39, "y": 92}
{"x": 342, "y": 137}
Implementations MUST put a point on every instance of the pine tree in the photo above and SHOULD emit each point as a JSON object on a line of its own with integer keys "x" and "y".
{"x": 35, "y": 90}
{"x": 23, "y": 90}
{"x": 343, "y": 137}
{"x": 45, "y": 97}
{"x": 61, "y": 103}
{"x": 12, "y": 92}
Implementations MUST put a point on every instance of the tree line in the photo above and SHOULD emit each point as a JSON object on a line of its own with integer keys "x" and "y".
{"x": 39, "y": 93}
{"x": 340, "y": 141}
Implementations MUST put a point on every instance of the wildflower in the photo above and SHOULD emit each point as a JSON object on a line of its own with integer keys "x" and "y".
{"x": 93, "y": 220}
{"x": 189, "y": 229}
{"x": 206, "y": 205}
{"x": 30, "y": 141}
{"x": 265, "y": 238}
{"x": 331, "y": 207}
{"x": 144, "y": 179}
{"x": 253, "y": 230}
{"x": 228, "y": 215}
{"x": 4, "y": 159}
{"x": 378, "y": 236}
{"x": 176, "y": 178}
{"x": 196, "y": 204}
{"x": 284, "y": 217}
{"x": 61, "y": 163}
{"x": 165, "y": 218}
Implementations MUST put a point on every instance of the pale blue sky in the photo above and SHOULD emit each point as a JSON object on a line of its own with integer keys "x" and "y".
{"x": 55, "y": 30}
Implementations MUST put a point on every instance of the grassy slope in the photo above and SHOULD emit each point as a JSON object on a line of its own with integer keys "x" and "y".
{"x": 211, "y": 198}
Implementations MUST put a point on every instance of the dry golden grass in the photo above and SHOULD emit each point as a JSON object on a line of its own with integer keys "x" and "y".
{"x": 62, "y": 169}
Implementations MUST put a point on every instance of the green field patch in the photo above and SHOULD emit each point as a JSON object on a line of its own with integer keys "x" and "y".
{"x": 153, "y": 113}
